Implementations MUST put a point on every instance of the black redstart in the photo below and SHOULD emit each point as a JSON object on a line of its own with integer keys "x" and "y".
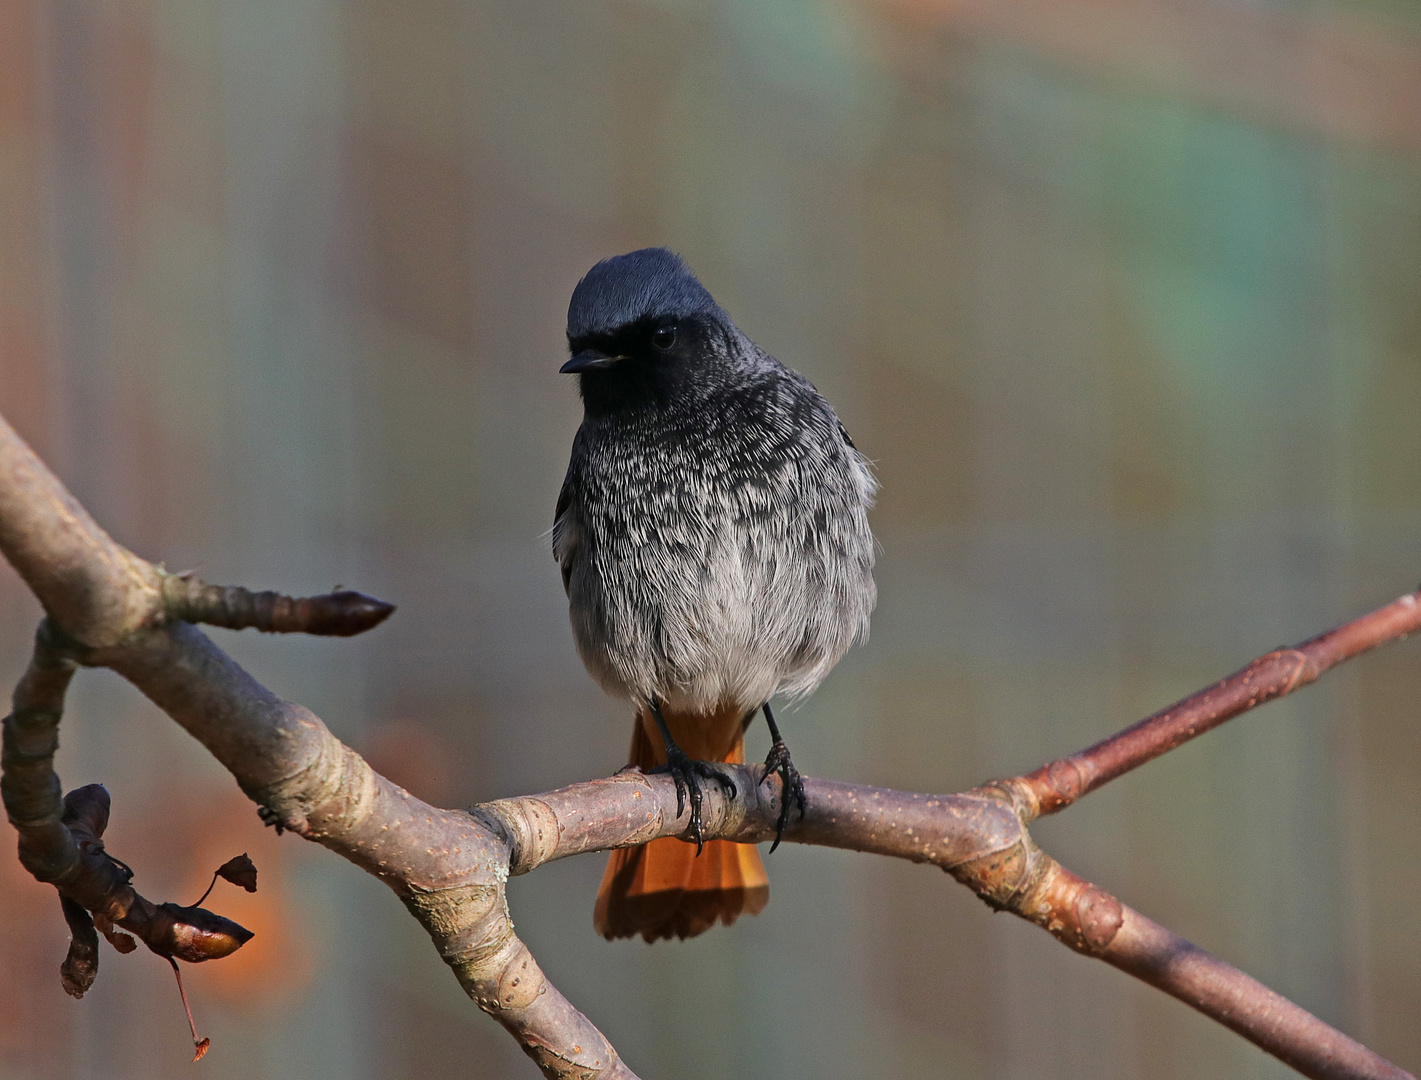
{"x": 714, "y": 542}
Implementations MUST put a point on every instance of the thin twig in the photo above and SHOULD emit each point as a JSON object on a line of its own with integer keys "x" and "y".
{"x": 343, "y": 613}
{"x": 200, "y": 1045}
{"x": 1056, "y": 785}
{"x": 206, "y": 892}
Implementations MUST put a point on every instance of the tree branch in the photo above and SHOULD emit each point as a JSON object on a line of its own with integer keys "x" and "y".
{"x": 980, "y": 838}
{"x": 1059, "y": 783}
{"x": 450, "y": 868}
{"x": 61, "y": 840}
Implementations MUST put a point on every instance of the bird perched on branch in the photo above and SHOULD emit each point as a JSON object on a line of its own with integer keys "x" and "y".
{"x": 714, "y": 542}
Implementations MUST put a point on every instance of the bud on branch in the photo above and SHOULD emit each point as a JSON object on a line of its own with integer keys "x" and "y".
{"x": 61, "y": 842}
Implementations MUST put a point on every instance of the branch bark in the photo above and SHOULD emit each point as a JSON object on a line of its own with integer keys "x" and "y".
{"x": 450, "y": 867}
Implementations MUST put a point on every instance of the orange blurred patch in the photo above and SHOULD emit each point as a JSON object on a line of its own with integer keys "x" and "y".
{"x": 418, "y": 757}
{"x": 278, "y": 960}
{"x": 33, "y": 940}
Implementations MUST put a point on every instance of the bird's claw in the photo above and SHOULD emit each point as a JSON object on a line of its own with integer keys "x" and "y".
{"x": 687, "y": 775}
{"x": 792, "y": 786}
{"x": 272, "y": 819}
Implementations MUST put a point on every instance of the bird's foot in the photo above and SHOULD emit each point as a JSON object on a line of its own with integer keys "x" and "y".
{"x": 791, "y": 786}
{"x": 272, "y": 819}
{"x": 688, "y": 774}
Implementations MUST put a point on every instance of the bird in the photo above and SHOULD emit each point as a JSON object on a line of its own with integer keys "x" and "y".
{"x": 713, "y": 535}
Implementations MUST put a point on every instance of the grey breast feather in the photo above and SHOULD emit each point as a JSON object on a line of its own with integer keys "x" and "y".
{"x": 716, "y": 553}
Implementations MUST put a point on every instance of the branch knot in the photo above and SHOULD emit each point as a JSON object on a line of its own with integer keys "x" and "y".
{"x": 530, "y": 826}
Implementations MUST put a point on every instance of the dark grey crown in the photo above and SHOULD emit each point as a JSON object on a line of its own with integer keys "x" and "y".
{"x": 652, "y": 282}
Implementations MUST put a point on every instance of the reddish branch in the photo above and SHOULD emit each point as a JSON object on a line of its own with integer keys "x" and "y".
{"x": 450, "y": 868}
{"x": 1055, "y": 786}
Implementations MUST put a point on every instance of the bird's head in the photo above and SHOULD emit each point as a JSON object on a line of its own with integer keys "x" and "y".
{"x": 642, "y": 330}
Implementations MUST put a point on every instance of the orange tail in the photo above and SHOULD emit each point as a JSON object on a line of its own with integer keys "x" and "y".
{"x": 662, "y": 889}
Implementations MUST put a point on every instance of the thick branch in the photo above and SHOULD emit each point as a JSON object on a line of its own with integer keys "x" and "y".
{"x": 979, "y": 837}
{"x": 97, "y": 590}
{"x": 447, "y": 867}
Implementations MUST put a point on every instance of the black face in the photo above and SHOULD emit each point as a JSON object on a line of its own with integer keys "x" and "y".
{"x": 645, "y": 363}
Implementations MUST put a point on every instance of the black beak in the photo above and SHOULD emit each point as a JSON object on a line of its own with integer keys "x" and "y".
{"x": 589, "y": 360}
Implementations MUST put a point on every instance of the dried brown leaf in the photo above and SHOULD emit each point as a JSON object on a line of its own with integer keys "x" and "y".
{"x": 240, "y": 871}
{"x": 117, "y": 938}
{"x": 81, "y": 965}
{"x": 122, "y": 942}
{"x": 202, "y": 1046}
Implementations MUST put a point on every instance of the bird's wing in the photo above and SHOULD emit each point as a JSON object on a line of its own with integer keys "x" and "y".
{"x": 565, "y": 531}
{"x": 845, "y": 433}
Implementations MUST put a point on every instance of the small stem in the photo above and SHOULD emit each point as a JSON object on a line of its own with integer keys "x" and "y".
{"x": 210, "y": 887}
{"x": 1057, "y": 784}
{"x": 199, "y": 1043}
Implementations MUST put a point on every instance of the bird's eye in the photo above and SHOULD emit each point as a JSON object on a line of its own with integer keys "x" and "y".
{"x": 664, "y": 337}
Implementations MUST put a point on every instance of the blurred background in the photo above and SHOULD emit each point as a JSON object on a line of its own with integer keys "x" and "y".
{"x": 1122, "y": 296}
